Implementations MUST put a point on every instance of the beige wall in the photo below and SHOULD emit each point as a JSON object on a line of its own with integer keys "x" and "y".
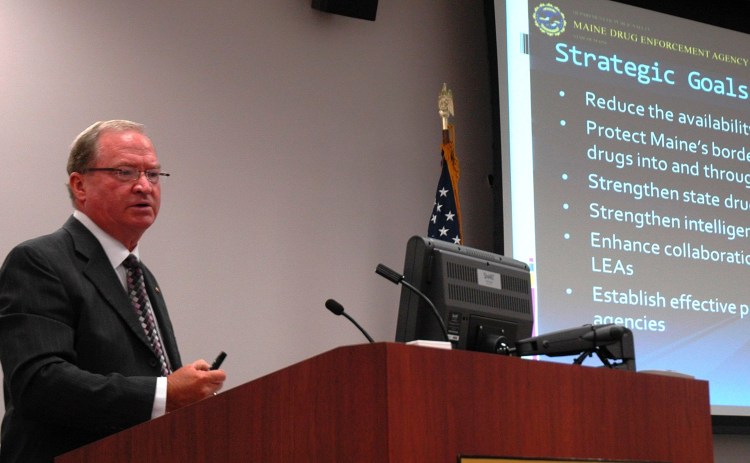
{"x": 303, "y": 147}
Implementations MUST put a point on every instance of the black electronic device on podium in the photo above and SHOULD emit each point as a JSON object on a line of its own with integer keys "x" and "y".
{"x": 481, "y": 301}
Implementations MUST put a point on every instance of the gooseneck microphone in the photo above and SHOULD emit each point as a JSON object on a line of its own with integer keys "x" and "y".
{"x": 338, "y": 309}
{"x": 397, "y": 278}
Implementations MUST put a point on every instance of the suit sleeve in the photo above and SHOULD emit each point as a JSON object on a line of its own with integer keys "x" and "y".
{"x": 41, "y": 307}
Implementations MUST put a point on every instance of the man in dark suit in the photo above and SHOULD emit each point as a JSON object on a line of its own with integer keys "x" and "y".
{"x": 77, "y": 362}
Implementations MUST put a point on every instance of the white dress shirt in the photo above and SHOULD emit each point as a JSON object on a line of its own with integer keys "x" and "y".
{"x": 116, "y": 253}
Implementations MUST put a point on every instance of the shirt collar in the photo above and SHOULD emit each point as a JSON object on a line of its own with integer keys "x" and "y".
{"x": 116, "y": 252}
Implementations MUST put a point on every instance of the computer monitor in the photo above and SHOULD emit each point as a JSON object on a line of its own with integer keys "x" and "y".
{"x": 483, "y": 298}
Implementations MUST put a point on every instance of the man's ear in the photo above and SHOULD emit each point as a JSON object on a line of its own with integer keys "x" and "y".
{"x": 77, "y": 187}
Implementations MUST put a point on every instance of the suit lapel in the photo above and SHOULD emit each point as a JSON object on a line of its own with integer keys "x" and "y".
{"x": 99, "y": 271}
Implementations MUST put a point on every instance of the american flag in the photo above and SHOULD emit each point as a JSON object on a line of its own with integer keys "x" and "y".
{"x": 445, "y": 222}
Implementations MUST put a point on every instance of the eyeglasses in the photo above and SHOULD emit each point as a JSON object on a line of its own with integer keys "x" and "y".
{"x": 130, "y": 174}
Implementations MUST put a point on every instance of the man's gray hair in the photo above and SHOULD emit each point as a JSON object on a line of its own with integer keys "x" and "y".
{"x": 83, "y": 151}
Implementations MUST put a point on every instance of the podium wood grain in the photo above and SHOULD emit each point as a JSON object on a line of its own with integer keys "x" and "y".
{"x": 390, "y": 402}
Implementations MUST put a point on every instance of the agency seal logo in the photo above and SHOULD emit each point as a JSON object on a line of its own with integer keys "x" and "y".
{"x": 549, "y": 19}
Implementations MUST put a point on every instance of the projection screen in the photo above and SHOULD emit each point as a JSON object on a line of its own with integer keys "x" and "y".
{"x": 625, "y": 141}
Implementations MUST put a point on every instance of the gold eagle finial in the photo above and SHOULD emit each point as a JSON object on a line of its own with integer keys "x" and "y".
{"x": 445, "y": 105}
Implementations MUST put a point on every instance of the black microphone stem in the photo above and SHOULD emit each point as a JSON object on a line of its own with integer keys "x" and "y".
{"x": 432, "y": 306}
{"x": 338, "y": 309}
{"x": 397, "y": 278}
{"x": 357, "y": 325}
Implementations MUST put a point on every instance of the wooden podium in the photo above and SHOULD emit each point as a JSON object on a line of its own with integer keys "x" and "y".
{"x": 390, "y": 402}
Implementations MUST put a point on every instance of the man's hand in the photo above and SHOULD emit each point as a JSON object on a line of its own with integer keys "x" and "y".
{"x": 192, "y": 383}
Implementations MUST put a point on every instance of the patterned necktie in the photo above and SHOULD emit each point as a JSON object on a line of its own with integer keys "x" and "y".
{"x": 139, "y": 300}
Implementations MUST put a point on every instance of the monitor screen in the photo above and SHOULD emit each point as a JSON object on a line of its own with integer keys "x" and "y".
{"x": 484, "y": 299}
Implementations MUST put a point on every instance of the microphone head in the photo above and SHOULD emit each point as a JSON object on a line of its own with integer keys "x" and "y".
{"x": 389, "y": 274}
{"x": 334, "y": 307}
